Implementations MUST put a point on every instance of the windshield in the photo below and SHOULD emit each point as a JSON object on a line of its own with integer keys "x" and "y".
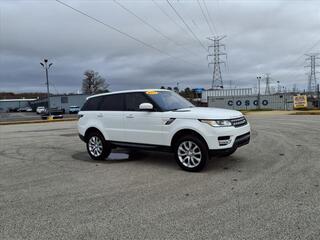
{"x": 169, "y": 101}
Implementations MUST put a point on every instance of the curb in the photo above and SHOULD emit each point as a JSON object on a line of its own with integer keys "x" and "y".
{"x": 38, "y": 121}
{"x": 305, "y": 113}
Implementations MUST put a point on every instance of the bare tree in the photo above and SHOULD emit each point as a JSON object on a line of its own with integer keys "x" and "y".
{"x": 93, "y": 83}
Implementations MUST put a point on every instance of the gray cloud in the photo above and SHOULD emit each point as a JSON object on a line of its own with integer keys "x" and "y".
{"x": 262, "y": 37}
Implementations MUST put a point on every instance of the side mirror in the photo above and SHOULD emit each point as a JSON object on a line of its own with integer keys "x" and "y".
{"x": 146, "y": 106}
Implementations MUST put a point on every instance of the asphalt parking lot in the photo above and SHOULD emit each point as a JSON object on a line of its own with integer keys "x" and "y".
{"x": 50, "y": 189}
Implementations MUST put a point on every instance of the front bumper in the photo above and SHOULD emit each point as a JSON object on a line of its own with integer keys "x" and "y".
{"x": 82, "y": 137}
{"x": 234, "y": 137}
{"x": 241, "y": 140}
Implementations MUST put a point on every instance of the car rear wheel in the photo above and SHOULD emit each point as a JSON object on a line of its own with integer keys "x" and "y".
{"x": 191, "y": 153}
{"x": 97, "y": 147}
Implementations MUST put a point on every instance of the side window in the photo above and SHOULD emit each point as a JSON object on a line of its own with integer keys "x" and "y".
{"x": 112, "y": 103}
{"x": 133, "y": 100}
{"x": 92, "y": 104}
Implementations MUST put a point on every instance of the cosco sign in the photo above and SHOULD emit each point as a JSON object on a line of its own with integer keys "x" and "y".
{"x": 247, "y": 102}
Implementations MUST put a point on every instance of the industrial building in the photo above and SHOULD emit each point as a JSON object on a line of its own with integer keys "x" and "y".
{"x": 7, "y": 104}
{"x": 276, "y": 102}
{"x": 56, "y": 101}
{"x": 244, "y": 99}
{"x": 61, "y": 101}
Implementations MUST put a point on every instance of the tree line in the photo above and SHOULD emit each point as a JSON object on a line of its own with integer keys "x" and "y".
{"x": 93, "y": 83}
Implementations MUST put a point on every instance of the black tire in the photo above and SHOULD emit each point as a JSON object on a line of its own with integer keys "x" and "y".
{"x": 227, "y": 152}
{"x": 105, "y": 149}
{"x": 202, "y": 147}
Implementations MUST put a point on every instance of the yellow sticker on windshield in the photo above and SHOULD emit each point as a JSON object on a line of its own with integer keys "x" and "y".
{"x": 152, "y": 92}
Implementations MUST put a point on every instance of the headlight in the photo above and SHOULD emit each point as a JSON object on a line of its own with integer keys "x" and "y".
{"x": 217, "y": 123}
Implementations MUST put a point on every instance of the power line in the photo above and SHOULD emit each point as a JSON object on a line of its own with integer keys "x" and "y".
{"x": 121, "y": 32}
{"x": 151, "y": 26}
{"x": 293, "y": 63}
{"x": 165, "y": 13}
{"x": 205, "y": 17}
{"x": 142, "y": 20}
{"x": 188, "y": 27}
{"x": 211, "y": 21}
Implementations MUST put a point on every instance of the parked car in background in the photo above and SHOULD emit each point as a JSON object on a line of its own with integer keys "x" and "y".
{"x": 13, "y": 109}
{"x": 54, "y": 113}
{"x": 74, "y": 109}
{"x": 160, "y": 120}
{"x": 40, "y": 109}
{"x": 24, "y": 109}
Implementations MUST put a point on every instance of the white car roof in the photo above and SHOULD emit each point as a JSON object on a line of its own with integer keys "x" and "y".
{"x": 129, "y": 91}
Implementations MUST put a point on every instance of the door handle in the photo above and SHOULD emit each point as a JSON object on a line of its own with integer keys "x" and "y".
{"x": 99, "y": 115}
{"x": 130, "y": 116}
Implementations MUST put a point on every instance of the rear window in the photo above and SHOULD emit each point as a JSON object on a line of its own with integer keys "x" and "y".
{"x": 92, "y": 104}
{"x": 114, "y": 102}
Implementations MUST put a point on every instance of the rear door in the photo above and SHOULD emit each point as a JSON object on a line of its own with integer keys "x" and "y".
{"x": 144, "y": 127}
{"x": 111, "y": 115}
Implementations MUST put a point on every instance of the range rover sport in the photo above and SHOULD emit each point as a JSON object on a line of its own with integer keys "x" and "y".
{"x": 160, "y": 120}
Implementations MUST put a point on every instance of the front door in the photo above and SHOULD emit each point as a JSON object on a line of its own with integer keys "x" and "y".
{"x": 145, "y": 127}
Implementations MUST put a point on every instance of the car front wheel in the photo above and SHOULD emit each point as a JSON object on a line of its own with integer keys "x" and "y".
{"x": 97, "y": 147}
{"x": 191, "y": 153}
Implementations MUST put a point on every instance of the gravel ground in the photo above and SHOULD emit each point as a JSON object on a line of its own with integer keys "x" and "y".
{"x": 50, "y": 189}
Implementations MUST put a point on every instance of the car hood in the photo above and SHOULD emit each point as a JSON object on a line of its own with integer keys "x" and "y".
{"x": 205, "y": 113}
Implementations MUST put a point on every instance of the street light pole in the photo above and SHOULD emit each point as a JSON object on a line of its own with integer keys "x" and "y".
{"x": 46, "y": 67}
{"x": 259, "y": 79}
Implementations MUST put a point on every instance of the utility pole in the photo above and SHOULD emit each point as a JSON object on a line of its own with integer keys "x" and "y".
{"x": 279, "y": 87}
{"x": 294, "y": 88}
{"x": 259, "y": 80}
{"x": 46, "y": 66}
{"x": 318, "y": 95}
{"x": 312, "y": 79}
{"x": 268, "y": 80}
{"x": 217, "y": 82}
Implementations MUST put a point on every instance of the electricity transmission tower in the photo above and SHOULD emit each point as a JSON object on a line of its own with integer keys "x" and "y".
{"x": 268, "y": 81}
{"x": 214, "y": 57}
{"x": 312, "y": 79}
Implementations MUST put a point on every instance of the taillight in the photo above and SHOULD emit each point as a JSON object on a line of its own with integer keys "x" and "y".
{"x": 80, "y": 116}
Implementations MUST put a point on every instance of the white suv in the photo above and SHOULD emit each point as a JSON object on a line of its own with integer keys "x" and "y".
{"x": 160, "y": 120}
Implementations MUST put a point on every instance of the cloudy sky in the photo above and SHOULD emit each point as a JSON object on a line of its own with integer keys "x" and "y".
{"x": 262, "y": 37}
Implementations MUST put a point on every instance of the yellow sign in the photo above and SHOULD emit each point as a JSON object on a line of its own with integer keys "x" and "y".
{"x": 152, "y": 92}
{"x": 300, "y": 101}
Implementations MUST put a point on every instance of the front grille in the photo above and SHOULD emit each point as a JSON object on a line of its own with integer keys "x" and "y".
{"x": 238, "y": 122}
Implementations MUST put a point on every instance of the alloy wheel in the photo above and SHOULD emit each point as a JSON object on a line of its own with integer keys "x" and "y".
{"x": 95, "y": 146}
{"x": 189, "y": 154}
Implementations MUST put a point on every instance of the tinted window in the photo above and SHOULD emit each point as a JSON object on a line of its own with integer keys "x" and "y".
{"x": 92, "y": 104}
{"x": 133, "y": 100}
{"x": 112, "y": 103}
